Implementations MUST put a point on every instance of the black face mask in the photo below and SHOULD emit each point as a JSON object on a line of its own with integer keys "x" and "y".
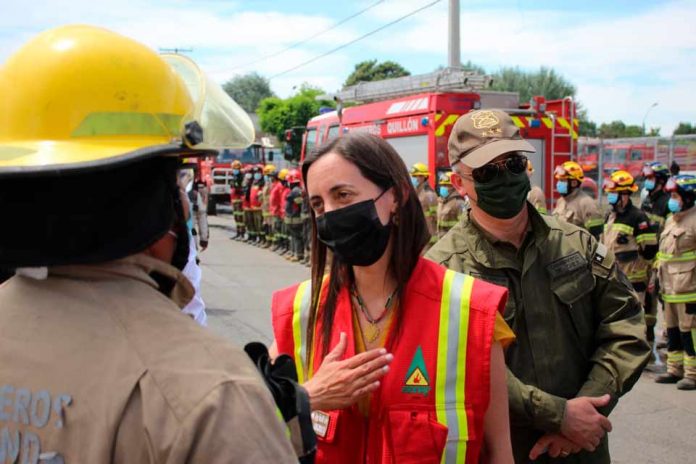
{"x": 354, "y": 233}
{"x": 504, "y": 196}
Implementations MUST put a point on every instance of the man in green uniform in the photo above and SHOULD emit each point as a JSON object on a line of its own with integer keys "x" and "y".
{"x": 580, "y": 328}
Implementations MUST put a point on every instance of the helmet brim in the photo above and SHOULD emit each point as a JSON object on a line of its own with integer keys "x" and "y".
{"x": 54, "y": 157}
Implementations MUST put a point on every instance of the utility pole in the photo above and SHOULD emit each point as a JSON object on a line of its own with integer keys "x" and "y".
{"x": 453, "y": 53}
{"x": 646, "y": 115}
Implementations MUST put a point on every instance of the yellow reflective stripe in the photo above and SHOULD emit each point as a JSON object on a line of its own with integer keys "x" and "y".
{"x": 590, "y": 223}
{"x": 300, "y": 316}
{"x": 675, "y": 356}
{"x": 652, "y": 238}
{"x": 681, "y": 298}
{"x": 113, "y": 123}
{"x": 442, "y": 340}
{"x": 626, "y": 229}
{"x": 684, "y": 257}
{"x": 450, "y": 390}
{"x": 542, "y": 210}
{"x": 518, "y": 122}
{"x": 638, "y": 276}
{"x": 656, "y": 219}
{"x": 447, "y": 122}
{"x": 689, "y": 360}
{"x": 547, "y": 122}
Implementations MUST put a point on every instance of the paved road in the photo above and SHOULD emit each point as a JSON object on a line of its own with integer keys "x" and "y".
{"x": 652, "y": 424}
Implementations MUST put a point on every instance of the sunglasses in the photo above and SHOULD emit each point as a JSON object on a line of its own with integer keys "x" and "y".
{"x": 516, "y": 164}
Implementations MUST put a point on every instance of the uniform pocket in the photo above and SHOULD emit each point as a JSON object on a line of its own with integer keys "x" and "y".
{"x": 680, "y": 277}
{"x": 574, "y": 292}
{"x": 416, "y": 436}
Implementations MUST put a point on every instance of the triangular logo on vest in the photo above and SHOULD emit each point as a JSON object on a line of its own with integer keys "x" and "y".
{"x": 417, "y": 379}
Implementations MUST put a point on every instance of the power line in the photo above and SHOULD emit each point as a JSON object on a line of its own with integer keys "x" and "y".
{"x": 340, "y": 47}
{"x": 302, "y": 42}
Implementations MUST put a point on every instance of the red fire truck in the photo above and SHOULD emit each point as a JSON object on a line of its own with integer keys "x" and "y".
{"x": 418, "y": 127}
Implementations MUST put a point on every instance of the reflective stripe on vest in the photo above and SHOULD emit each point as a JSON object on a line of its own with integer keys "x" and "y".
{"x": 628, "y": 230}
{"x": 300, "y": 319}
{"x": 451, "y": 357}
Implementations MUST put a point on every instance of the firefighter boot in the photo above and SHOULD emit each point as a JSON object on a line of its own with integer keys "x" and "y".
{"x": 675, "y": 358}
{"x": 689, "y": 380}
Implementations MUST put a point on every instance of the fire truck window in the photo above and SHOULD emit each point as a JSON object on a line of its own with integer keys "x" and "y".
{"x": 413, "y": 149}
{"x": 311, "y": 139}
{"x": 332, "y": 134}
{"x": 636, "y": 155}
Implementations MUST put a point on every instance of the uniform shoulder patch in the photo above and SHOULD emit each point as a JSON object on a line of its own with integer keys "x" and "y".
{"x": 566, "y": 265}
{"x": 602, "y": 261}
{"x": 643, "y": 225}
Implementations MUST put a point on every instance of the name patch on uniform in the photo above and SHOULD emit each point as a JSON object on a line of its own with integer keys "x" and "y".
{"x": 417, "y": 380}
{"x": 566, "y": 265}
{"x": 21, "y": 408}
{"x": 320, "y": 423}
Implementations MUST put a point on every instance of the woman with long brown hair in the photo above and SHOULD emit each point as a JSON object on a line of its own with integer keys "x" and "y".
{"x": 401, "y": 358}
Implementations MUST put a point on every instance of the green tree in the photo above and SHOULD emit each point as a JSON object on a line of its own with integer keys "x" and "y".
{"x": 545, "y": 82}
{"x": 618, "y": 129}
{"x": 248, "y": 90}
{"x": 685, "y": 128}
{"x": 370, "y": 70}
{"x": 276, "y": 115}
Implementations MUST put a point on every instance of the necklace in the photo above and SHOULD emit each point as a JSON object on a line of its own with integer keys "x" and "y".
{"x": 374, "y": 330}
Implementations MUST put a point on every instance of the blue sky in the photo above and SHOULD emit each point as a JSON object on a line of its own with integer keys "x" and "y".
{"x": 622, "y": 55}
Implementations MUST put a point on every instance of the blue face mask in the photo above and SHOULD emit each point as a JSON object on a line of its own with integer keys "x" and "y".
{"x": 414, "y": 181}
{"x": 673, "y": 205}
{"x": 562, "y": 187}
{"x": 257, "y": 176}
{"x": 649, "y": 184}
{"x": 444, "y": 191}
{"x": 235, "y": 172}
{"x": 612, "y": 198}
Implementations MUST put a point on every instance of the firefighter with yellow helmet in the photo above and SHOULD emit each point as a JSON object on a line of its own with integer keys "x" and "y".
{"x": 575, "y": 206}
{"x": 451, "y": 205}
{"x": 428, "y": 198}
{"x": 270, "y": 178}
{"x": 92, "y": 333}
{"x": 629, "y": 234}
{"x": 536, "y": 195}
{"x": 677, "y": 272}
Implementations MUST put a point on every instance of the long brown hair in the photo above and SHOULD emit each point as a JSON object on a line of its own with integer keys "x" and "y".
{"x": 381, "y": 164}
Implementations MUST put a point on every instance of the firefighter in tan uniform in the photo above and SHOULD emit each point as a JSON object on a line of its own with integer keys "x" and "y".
{"x": 536, "y": 195}
{"x": 575, "y": 206}
{"x": 427, "y": 197}
{"x": 629, "y": 234}
{"x": 451, "y": 208}
{"x": 97, "y": 363}
{"x": 677, "y": 273}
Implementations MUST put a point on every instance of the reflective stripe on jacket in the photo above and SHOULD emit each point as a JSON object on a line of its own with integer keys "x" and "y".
{"x": 431, "y": 404}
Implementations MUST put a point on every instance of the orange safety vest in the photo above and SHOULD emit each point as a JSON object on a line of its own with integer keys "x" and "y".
{"x": 431, "y": 404}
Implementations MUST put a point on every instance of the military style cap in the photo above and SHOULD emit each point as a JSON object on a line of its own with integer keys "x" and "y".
{"x": 480, "y": 136}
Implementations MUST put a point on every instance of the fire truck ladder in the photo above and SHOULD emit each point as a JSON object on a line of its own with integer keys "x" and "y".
{"x": 448, "y": 79}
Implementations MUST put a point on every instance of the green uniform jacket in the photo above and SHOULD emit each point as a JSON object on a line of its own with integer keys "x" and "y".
{"x": 580, "y": 328}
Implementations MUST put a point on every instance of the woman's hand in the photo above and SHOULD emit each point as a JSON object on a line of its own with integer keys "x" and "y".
{"x": 338, "y": 383}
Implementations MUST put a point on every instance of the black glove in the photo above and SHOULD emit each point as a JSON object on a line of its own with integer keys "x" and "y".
{"x": 690, "y": 308}
{"x": 291, "y": 399}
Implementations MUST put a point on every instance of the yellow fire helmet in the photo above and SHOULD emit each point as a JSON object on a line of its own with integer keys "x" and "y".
{"x": 569, "y": 170}
{"x": 79, "y": 97}
{"x": 282, "y": 174}
{"x": 420, "y": 170}
{"x": 269, "y": 169}
{"x": 446, "y": 178}
{"x": 620, "y": 181}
